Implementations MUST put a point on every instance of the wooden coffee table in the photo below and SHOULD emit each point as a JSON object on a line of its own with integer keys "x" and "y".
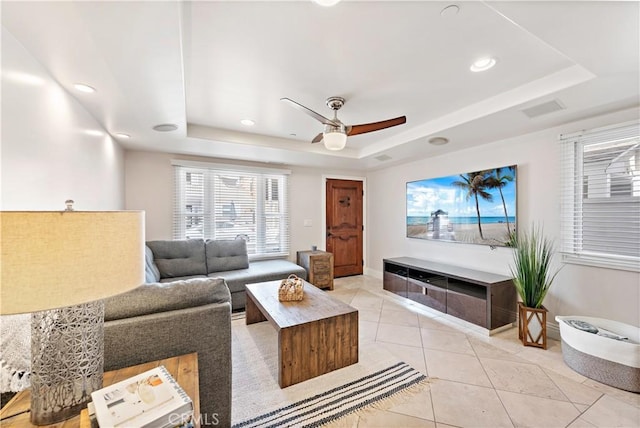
{"x": 316, "y": 335}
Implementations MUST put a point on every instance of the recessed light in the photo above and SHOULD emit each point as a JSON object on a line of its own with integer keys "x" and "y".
{"x": 483, "y": 64}
{"x": 326, "y": 2}
{"x": 438, "y": 141}
{"x": 165, "y": 127}
{"x": 451, "y": 10}
{"x": 121, "y": 135}
{"x": 84, "y": 88}
{"x": 247, "y": 122}
{"x": 94, "y": 133}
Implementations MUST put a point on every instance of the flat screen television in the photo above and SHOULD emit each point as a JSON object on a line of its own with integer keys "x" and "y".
{"x": 477, "y": 207}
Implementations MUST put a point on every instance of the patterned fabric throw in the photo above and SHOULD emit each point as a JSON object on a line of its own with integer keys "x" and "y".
{"x": 15, "y": 352}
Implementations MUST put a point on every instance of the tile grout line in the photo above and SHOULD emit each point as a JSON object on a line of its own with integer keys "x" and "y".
{"x": 562, "y": 391}
{"x": 495, "y": 390}
{"x": 426, "y": 366}
{"x": 587, "y": 409}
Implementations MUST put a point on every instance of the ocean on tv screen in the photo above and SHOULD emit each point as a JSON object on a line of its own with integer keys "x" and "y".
{"x": 413, "y": 220}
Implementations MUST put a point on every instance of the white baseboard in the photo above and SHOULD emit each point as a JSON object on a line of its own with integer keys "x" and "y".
{"x": 372, "y": 272}
{"x": 553, "y": 330}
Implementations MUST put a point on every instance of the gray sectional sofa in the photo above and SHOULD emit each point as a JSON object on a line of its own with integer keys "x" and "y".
{"x": 196, "y": 258}
{"x": 185, "y": 306}
{"x": 157, "y": 321}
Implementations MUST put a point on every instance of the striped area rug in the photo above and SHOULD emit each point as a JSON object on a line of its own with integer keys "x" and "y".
{"x": 354, "y": 396}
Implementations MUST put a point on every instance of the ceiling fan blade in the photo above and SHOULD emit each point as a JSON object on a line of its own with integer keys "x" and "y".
{"x": 318, "y": 138}
{"x": 375, "y": 126}
{"x": 313, "y": 114}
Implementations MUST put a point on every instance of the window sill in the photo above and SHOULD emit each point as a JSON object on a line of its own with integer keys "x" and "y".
{"x": 602, "y": 262}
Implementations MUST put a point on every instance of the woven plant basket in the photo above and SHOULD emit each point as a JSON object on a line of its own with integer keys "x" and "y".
{"x": 291, "y": 289}
{"x": 532, "y": 326}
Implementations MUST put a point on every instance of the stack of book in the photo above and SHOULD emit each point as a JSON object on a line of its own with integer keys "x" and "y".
{"x": 150, "y": 399}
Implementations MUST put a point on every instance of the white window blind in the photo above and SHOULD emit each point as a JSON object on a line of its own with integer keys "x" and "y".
{"x": 601, "y": 197}
{"x": 223, "y": 202}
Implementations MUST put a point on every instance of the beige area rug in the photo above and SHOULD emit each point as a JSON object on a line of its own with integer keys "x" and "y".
{"x": 255, "y": 379}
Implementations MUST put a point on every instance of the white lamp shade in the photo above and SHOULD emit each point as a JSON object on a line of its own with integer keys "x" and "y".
{"x": 63, "y": 258}
{"x": 334, "y": 140}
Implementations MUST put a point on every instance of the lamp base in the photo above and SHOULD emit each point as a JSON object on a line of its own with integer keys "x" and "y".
{"x": 67, "y": 356}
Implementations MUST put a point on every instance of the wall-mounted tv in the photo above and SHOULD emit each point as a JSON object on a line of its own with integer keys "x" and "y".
{"x": 474, "y": 208}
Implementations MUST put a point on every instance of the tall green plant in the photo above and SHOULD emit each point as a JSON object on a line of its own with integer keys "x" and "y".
{"x": 532, "y": 261}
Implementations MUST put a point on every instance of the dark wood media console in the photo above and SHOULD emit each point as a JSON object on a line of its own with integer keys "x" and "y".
{"x": 482, "y": 298}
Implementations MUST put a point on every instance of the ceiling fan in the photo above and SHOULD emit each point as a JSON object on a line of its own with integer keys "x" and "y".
{"x": 335, "y": 132}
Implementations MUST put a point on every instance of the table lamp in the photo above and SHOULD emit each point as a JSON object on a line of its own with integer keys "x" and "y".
{"x": 58, "y": 266}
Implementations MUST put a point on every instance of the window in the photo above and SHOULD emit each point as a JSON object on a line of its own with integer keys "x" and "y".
{"x": 227, "y": 202}
{"x": 601, "y": 197}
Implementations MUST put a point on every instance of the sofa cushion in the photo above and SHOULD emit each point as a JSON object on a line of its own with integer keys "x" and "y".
{"x": 224, "y": 255}
{"x": 181, "y": 278}
{"x": 184, "y": 257}
{"x": 260, "y": 271}
{"x": 164, "y": 297}
{"x": 151, "y": 272}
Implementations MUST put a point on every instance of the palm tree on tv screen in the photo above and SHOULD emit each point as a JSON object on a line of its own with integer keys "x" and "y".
{"x": 498, "y": 181}
{"x": 476, "y": 184}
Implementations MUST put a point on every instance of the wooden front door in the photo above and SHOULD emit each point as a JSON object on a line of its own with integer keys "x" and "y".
{"x": 344, "y": 226}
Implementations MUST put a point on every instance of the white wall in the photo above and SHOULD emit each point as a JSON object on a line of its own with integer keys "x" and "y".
{"x": 149, "y": 187}
{"x": 46, "y": 156}
{"x": 577, "y": 290}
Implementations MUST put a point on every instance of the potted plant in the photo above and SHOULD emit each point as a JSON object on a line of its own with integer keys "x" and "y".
{"x": 532, "y": 279}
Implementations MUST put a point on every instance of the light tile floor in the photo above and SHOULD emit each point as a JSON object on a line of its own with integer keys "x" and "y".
{"x": 476, "y": 380}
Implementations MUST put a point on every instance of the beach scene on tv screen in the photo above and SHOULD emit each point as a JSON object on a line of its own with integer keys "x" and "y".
{"x": 476, "y": 207}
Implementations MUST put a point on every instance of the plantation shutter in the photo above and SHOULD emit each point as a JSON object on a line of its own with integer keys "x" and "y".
{"x": 231, "y": 202}
{"x": 601, "y": 197}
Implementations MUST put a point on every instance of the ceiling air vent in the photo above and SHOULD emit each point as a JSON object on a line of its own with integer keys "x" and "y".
{"x": 544, "y": 108}
{"x": 383, "y": 158}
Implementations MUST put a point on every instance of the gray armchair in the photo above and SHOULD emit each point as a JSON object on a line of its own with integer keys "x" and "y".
{"x": 157, "y": 321}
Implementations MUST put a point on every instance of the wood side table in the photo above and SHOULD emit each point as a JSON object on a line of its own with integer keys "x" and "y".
{"x": 183, "y": 368}
{"x": 319, "y": 266}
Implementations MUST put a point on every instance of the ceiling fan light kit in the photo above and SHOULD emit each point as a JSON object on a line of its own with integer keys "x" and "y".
{"x": 335, "y": 132}
{"x": 334, "y": 139}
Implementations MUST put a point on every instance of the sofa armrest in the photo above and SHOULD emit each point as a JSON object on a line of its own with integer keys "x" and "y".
{"x": 203, "y": 329}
